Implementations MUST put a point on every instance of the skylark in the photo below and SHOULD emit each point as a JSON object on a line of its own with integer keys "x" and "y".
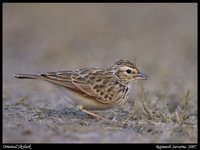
{"x": 94, "y": 88}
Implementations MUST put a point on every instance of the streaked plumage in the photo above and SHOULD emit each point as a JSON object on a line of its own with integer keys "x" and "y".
{"x": 94, "y": 88}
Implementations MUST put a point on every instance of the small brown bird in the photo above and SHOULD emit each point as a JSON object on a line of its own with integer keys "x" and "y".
{"x": 94, "y": 88}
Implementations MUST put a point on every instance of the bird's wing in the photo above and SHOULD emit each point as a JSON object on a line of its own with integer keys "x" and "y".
{"x": 92, "y": 82}
{"x": 62, "y": 78}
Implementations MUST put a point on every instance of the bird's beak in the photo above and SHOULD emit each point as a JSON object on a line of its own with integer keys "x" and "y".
{"x": 142, "y": 76}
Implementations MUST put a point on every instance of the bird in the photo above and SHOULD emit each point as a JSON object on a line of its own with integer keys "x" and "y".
{"x": 94, "y": 88}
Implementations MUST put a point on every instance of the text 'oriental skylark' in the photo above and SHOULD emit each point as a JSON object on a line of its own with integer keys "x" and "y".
{"x": 94, "y": 88}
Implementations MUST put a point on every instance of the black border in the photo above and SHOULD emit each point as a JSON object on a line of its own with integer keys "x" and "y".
{"x": 148, "y": 146}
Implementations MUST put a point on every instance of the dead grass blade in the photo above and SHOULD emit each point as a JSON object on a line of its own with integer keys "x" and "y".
{"x": 21, "y": 101}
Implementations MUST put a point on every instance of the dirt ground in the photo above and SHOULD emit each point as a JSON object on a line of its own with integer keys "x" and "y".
{"x": 40, "y": 38}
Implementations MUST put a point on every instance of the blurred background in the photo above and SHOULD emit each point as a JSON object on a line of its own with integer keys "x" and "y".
{"x": 51, "y": 37}
{"x": 48, "y": 37}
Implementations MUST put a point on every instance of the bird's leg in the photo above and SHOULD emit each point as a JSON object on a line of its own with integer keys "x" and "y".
{"x": 115, "y": 116}
{"x": 90, "y": 113}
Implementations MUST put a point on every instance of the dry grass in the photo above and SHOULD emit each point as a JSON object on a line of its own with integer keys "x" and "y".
{"x": 159, "y": 112}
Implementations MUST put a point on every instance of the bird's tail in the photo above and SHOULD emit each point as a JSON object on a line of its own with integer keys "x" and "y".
{"x": 26, "y": 76}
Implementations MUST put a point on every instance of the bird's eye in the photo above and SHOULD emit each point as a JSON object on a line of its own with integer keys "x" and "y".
{"x": 128, "y": 71}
